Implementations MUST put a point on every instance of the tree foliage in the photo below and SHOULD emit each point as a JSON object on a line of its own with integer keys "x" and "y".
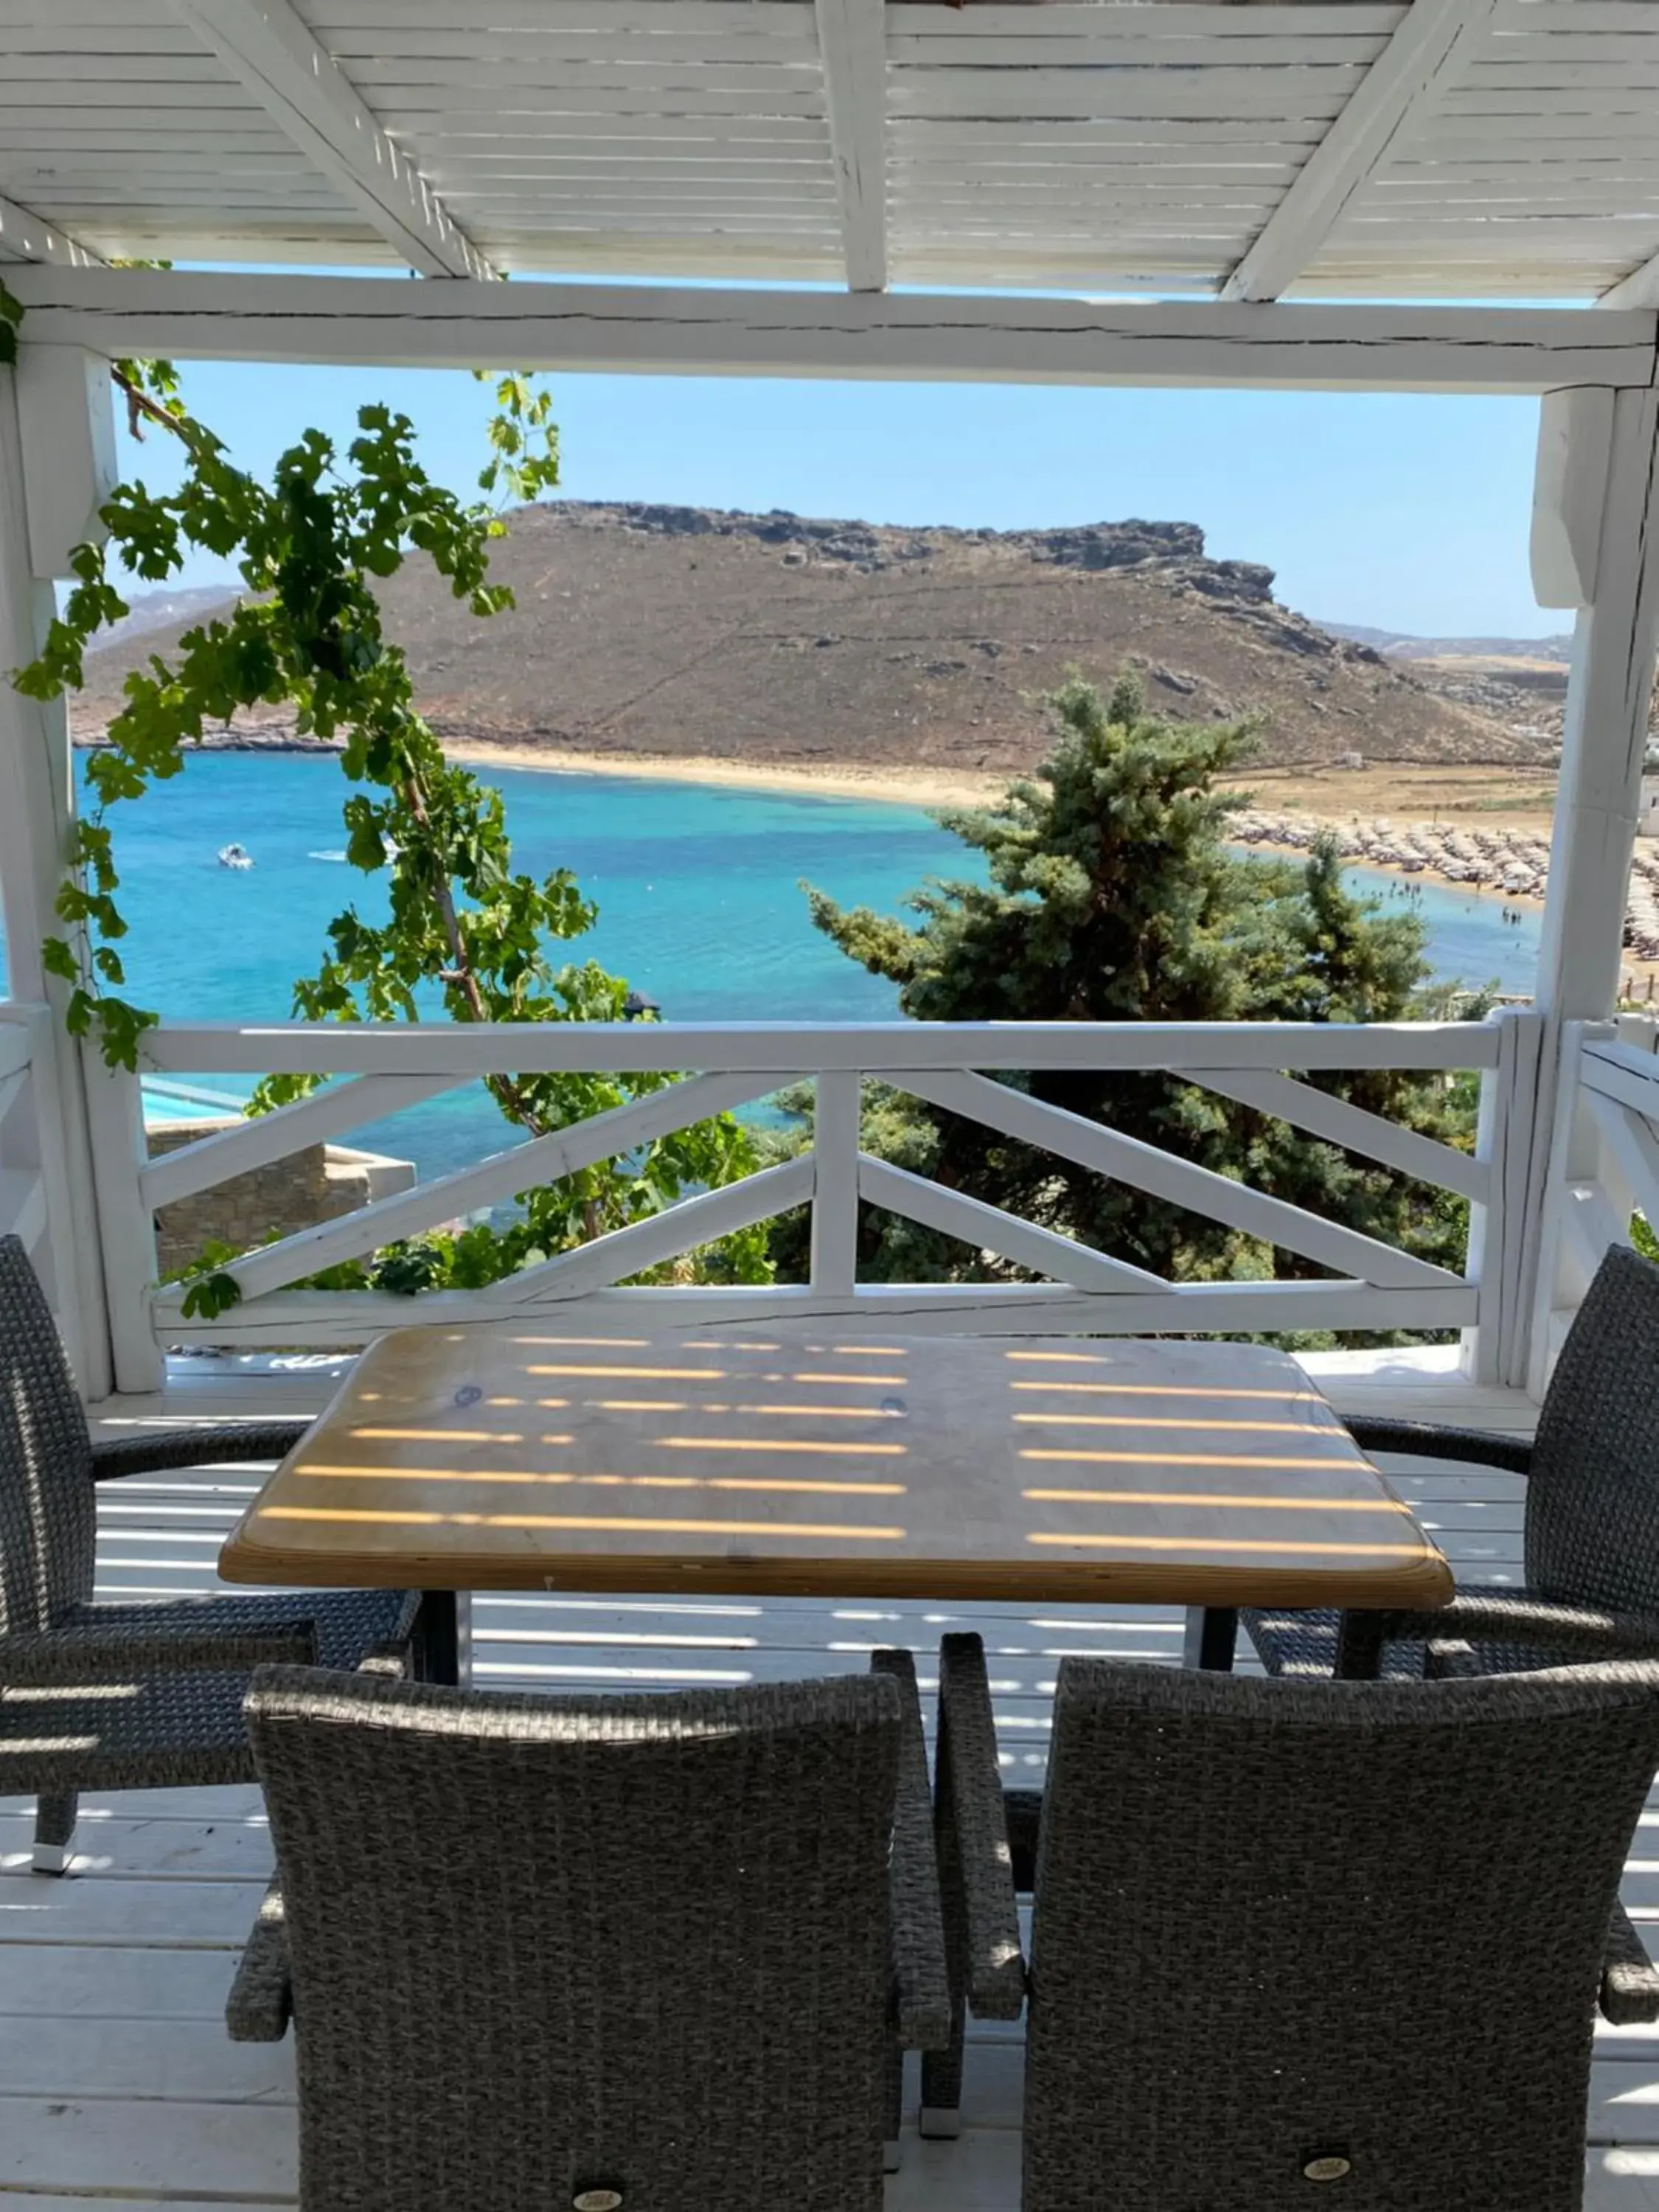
{"x": 466, "y": 934}
{"x": 1111, "y": 897}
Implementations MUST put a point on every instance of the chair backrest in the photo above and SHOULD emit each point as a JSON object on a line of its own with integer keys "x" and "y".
{"x": 48, "y": 1513}
{"x": 1295, "y": 1932}
{"x": 1592, "y": 1528}
{"x": 551, "y": 1948}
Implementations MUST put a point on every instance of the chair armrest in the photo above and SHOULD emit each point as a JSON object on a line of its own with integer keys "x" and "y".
{"x": 1428, "y": 1440}
{"x": 973, "y": 1833}
{"x": 1576, "y": 1632}
{"x": 118, "y": 1642}
{"x": 151, "y": 1451}
{"x": 261, "y": 2000}
{"x": 917, "y": 1920}
{"x": 1630, "y": 1980}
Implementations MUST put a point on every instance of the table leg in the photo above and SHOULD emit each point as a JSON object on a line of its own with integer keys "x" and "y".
{"x": 1359, "y": 1647}
{"x": 1212, "y": 1635}
{"x": 443, "y": 1638}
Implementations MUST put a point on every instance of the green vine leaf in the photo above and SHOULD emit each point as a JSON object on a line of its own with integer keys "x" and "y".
{"x": 466, "y": 933}
{"x": 209, "y": 1295}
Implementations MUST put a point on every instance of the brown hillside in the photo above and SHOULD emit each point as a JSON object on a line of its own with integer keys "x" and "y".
{"x": 653, "y": 630}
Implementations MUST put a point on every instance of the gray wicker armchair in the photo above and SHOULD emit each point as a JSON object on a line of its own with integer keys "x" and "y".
{"x": 1592, "y": 1520}
{"x": 1288, "y": 1933}
{"x": 126, "y": 1696}
{"x": 665, "y": 1949}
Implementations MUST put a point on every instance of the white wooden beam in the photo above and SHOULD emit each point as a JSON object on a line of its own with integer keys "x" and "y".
{"x": 492, "y": 1181}
{"x": 1432, "y": 43}
{"x": 37, "y": 808}
{"x": 66, "y": 415}
{"x": 267, "y": 47}
{"x": 1424, "y": 1159}
{"x": 992, "y": 1229}
{"x": 837, "y": 1108}
{"x": 25, "y": 236}
{"x": 1570, "y": 490}
{"x": 781, "y": 1050}
{"x": 346, "y": 1318}
{"x": 1146, "y": 1167}
{"x": 269, "y": 1137}
{"x": 853, "y": 45}
{"x": 1604, "y": 739}
{"x": 681, "y": 330}
{"x": 677, "y": 1229}
{"x": 126, "y": 1233}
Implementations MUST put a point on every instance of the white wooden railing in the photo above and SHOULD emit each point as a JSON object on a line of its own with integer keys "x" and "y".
{"x": 1603, "y": 1170}
{"x": 1371, "y": 1285}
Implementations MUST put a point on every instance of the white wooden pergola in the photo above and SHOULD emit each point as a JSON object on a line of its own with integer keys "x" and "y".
{"x": 1329, "y": 197}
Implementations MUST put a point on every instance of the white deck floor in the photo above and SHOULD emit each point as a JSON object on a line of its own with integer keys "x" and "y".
{"x": 116, "y": 2080}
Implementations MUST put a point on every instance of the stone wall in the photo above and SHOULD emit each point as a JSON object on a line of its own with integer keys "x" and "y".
{"x": 317, "y": 1184}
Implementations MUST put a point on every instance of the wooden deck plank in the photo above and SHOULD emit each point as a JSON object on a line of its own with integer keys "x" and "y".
{"x": 164, "y": 2149}
{"x": 32, "y": 2201}
{"x": 127, "y": 2061}
{"x": 91, "y": 1982}
{"x": 41, "y": 1910}
{"x": 1621, "y": 2180}
{"x": 162, "y": 1850}
{"x": 980, "y": 2172}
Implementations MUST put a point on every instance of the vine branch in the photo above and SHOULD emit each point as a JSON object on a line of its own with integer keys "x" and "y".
{"x": 464, "y": 933}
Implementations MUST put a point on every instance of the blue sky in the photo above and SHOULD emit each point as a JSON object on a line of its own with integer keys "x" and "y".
{"x": 1408, "y": 512}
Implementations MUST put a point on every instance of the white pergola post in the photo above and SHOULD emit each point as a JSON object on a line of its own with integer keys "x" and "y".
{"x": 1595, "y": 547}
{"x": 36, "y": 811}
{"x": 1605, "y": 734}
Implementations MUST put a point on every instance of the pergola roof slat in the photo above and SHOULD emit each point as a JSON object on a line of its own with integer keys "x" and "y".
{"x": 389, "y": 76}
{"x": 1440, "y": 149}
{"x": 1227, "y": 23}
{"x": 1106, "y": 46}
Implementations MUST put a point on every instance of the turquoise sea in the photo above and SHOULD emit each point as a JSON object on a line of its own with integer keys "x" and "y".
{"x": 698, "y": 890}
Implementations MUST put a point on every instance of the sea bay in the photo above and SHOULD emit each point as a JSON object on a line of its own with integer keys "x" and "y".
{"x": 698, "y": 888}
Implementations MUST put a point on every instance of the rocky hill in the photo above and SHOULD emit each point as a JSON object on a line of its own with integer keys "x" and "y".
{"x": 663, "y": 630}
{"x": 1404, "y": 645}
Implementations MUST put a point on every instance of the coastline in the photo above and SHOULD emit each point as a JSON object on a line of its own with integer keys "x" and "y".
{"x": 1487, "y": 892}
{"x": 902, "y": 786}
{"x": 927, "y": 788}
{"x": 898, "y": 787}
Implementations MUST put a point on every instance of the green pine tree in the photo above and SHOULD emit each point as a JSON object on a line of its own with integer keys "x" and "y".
{"x": 1112, "y": 896}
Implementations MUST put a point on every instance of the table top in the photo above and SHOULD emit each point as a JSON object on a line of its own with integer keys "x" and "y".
{"x": 809, "y": 1464}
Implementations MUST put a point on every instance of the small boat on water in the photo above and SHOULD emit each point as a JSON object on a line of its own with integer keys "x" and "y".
{"x": 235, "y": 856}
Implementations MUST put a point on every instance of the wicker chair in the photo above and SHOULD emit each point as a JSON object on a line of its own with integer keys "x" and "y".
{"x": 1288, "y": 1933}
{"x": 1592, "y": 1524}
{"x": 126, "y": 1696}
{"x": 655, "y": 1952}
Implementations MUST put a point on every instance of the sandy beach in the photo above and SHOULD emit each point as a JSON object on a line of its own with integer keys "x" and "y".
{"x": 903, "y": 786}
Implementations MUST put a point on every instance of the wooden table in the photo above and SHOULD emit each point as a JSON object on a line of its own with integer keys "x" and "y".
{"x": 808, "y": 1464}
